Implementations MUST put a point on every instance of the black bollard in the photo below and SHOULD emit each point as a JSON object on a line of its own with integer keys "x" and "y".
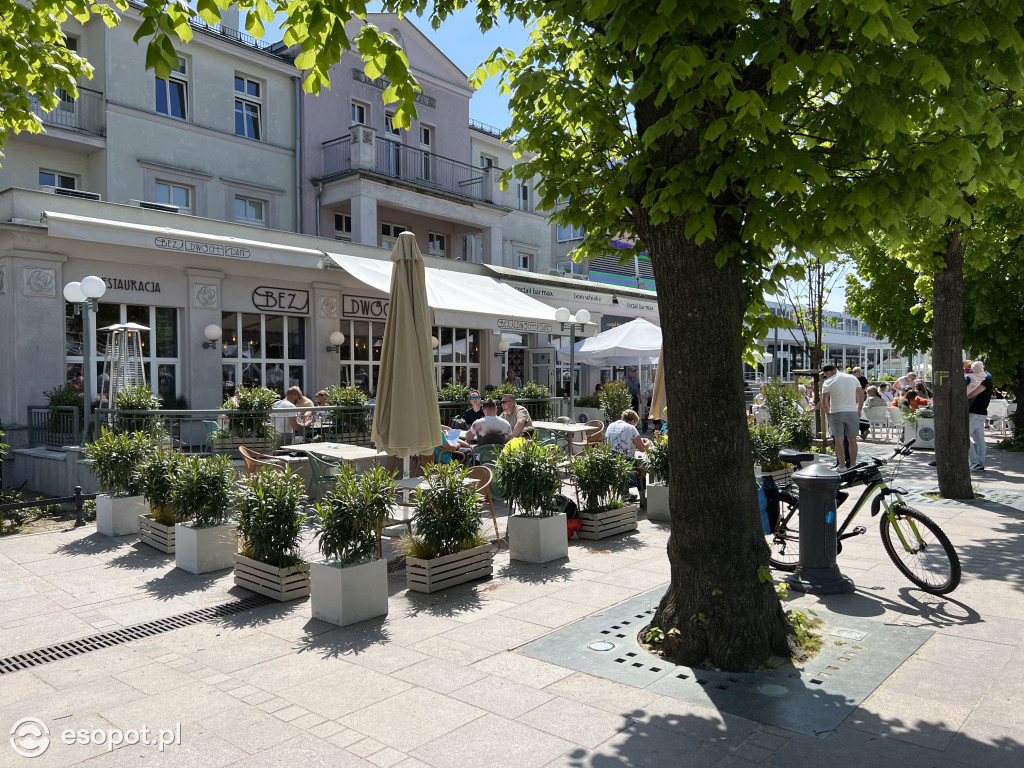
{"x": 817, "y": 572}
{"x": 79, "y": 507}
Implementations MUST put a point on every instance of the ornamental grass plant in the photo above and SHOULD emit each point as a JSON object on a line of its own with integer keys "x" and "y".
{"x": 528, "y": 473}
{"x": 269, "y": 519}
{"x": 116, "y": 458}
{"x": 350, "y": 516}
{"x": 447, "y": 515}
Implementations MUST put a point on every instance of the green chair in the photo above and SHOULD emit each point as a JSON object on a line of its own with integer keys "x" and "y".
{"x": 211, "y": 427}
{"x": 487, "y": 455}
{"x": 322, "y": 475}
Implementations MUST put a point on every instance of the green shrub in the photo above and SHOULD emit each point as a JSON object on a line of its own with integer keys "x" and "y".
{"x": 601, "y": 473}
{"x": 532, "y": 391}
{"x": 454, "y": 392}
{"x": 157, "y": 474}
{"x": 352, "y": 513}
{"x": 62, "y": 396}
{"x": 590, "y": 401}
{"x": 269, "y": 522}
{"x": 766, "y": 440}
{"x": 137, "y": 398}
{"x": 615, "y": 399}
{"x": 785, "y": 411}
{"x": 116, "y": 459}
{"x": 202, "y": 490}
{"x": 656, "y": 457}
{"x": 346, "y": 396}
{"x": 447, "y": 513}
{"x": 529, "y": 475}
{"x": 250, "y": 417}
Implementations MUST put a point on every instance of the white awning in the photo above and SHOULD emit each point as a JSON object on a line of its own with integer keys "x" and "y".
{"x": 462, "y": 299}
{"x": 174, "y": 240}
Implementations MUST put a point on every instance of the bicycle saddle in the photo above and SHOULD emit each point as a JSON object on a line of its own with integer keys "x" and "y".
{"x": 792, "y": 456}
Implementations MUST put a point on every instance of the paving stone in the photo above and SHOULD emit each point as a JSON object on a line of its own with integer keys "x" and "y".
{"x": 987, "y": 745}
{"x": 474, "y": 746}
{"x": 187, "y": 704}
{"x": 548, "y": 611}
{"x": 450, "y": 650}
{"x": 293, "y": 712}
{"x": 603, "y": 694}
{"x": 925, "y": 722}
{"x": 496, "y": 633}
{"x": 575, "y": 722}
{"x": 438, "y": 675}
{"x": 642, "y": 744}
{"x": 522, "y": 669}
{"x": 154, "y": 678}
{"x": 379, "y": 720}
{"x": 386, "y": 757}
{"x": 348, "y": 690}
{"x": 365, "y": 747}
{"x": 502, "y": 697}
{"x": 853, "y": 748}
{"x": 303, "y": 750}
{"x": 249, "y": 729}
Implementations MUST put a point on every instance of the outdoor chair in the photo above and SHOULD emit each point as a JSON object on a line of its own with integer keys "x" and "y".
{"x": 591, "y": 437}
{"x": 255, "y": 461}
{"x": 487, "y": 456}
{"x": 998, "y": 413}
{"x": 563, "y": 420}
{"x": 878, "y": 419}
{"x": 211, "y": 428}
{"x": 322, "y": 475}
{"x": 483, "y": 477}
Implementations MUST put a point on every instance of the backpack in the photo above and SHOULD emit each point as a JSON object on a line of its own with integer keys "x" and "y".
{"x": 568, "y": 506}
{"x": 457, "y": 422}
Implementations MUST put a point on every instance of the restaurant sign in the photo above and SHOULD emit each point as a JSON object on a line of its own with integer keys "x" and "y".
{"x": 269, "y": 299}
{"x": 364, "y": 308}
{"x": 548, "y": 292}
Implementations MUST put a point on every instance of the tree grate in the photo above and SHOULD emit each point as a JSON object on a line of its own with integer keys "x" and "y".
{"x": 124, "y": 635}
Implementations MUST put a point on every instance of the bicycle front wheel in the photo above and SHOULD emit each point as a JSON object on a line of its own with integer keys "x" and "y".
{"x": 920, "y": 550}
{"x": 784, "y": 541}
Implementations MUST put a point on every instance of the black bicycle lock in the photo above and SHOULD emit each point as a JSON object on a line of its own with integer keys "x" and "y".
{"x": 817, "y": 572}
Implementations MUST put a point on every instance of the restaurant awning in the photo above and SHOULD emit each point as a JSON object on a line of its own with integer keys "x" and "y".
{"x": 462, "y": 299}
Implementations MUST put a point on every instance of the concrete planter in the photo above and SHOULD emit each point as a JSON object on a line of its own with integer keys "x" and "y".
{"x": 346, "y": 594}
{"x": 608, "y": 522}
{"x": 202, "y": 550}
{"x": 157, "y": 535}
{"x": 657, "y": 503}
{"x": 925, "y": 434}
{"x": 119, "y": 515}
{"x": 537, "y": 539}
{"x": 279, "y": 583}
{"x": 449, "y": 570}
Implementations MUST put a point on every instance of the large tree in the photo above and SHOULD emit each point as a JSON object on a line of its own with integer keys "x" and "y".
{"x": 716, "y": 132}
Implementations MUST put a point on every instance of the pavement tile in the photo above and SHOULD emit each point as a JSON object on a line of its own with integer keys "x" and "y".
{"x": 490, "y": 741}
{"x": 303, "y": 751}
{"x": 387, "y": 757}
{"x": 450, "y": 650}
{"x": 347, "y": 690}
{"x": 603, "y": 694}
{"x": 925, "y": 722}
{"x": 22, "y": 685}
{"x": 703, "y": 723}
{"x": 642, "y": 744}
{"x": 365, "y": 747}
{"x": 522, "y": 669}
{"x": 496, "y": 633}
{"x": 379, "y": 720}
{"x": 853, "y": 748}
{"x": 987, "y": 745}
{"x": 248, "y": 728}
{"x": 242, "y": 651}
{"x": 199, "y": 747}
{"x": 438, "y": 675}
{"x": 502, "y": 697}
{"x": 84, "y": 699}
{"x": 575, "y": 722}
{"x": 186, "y": 704}
{"x": 548, "y": 611}
{"x": 153, "y": 678}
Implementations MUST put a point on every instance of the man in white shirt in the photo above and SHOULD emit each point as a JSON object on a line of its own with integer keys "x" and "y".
{"x": 842, "y": 399}
{"x": 489, "y": 430}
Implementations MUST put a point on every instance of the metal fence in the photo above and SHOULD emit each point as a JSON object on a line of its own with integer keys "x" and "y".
{"x": 427, "y": 169}
{"x": 337, "y": 155}
{"x": 87, "y": 113}
{"x": 54, "y": 426}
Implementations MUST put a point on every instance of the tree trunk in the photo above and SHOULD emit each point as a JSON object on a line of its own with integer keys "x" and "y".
{"x": 950, "y": 394}
{"x": 1018, "y": 422}
{"x": 724, "y": 612}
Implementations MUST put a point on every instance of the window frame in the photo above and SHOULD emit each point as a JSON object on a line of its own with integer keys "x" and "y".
{"x": 365, "y": 108}
{"x": 487, "y": 161}
{"x": 394, "y": 230}
{"x": 248, "y": 199}
{"x": 233, "y": 335}
{"x": 58, "y": 177}
{"x": 432, "y": 247}
{"x": 523, "y": 196}
{"x": 346, "y": 234}
{"x": 171, "y": 185}
{"x": 568, "y": 233}
{"x": 179, "y": 76}
{"x": 247, "y": 100}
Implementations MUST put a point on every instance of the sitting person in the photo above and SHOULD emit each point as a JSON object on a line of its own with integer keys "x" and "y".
{"x": 489, "y": 430}
{"x": 624, "y": 438}
{"x": 475, "y": 411}
{"x": 918, "y": 397}
{"x": 517, "y": 416}
{"x": 874, "y": 398}
{"x": 885, "y": 392}
{"x": 460, "y": 450}
{"x": 293, "y": 398}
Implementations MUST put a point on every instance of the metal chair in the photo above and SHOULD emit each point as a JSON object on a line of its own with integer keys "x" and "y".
{"x": 483, "y": 477}
{"x": 998, "y": 415}
{"x": 255, "y": 461}
{"x": 592, "y": 437}
{"x": 322, "y": 475}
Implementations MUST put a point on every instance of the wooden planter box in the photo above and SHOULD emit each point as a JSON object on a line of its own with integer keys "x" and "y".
{"x": 279, "y": 583}
{"x": 157, "y": 535}
{"x": 449, "y": 570}
{"x": 657, "y": 503}
{"x": 609, "y": 522}
{"x": 230, "y": 445}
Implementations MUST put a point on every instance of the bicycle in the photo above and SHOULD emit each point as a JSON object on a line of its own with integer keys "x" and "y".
{"x": 915, "y": 544}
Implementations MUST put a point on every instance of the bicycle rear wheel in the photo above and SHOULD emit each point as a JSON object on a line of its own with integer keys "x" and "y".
{"x": 927, "y": 559}
{"x": 784, "y": 541}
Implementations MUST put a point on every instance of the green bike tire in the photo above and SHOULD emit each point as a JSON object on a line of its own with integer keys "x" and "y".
{"x": 935, "y": 566}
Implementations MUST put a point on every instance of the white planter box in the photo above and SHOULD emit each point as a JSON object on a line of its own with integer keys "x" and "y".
{"x": 537, "y": 539}
{"x": 609, "y": 522}
{"x": 925, "y": 434}
{"x": 346, "y": 594}
{"x": 279, "y": 583}
{"x": 119, "y": 515}
{"x": 657, "y": 503}
{"x": 157, "y": 535}
{"x": 202, "y": 550}
{"x": 449, "y": 570}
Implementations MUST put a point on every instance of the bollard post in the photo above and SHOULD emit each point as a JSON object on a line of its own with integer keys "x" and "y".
{"x": 817, "y": 572}
{"x": 79, "y": 507}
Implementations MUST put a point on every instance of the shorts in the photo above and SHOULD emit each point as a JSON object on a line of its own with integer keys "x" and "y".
{"x": 844, "y": 424}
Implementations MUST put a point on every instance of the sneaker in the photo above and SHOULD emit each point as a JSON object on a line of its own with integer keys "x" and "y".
{"x": 977, "y": 468}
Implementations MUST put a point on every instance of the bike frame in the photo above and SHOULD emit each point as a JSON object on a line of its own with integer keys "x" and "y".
{"x": 878, "y": 483}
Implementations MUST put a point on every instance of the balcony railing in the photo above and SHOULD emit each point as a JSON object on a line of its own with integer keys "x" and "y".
{"x": 425, "y": 169}
{"x": 86, "y": 113}
{"x": 337, "y": 155}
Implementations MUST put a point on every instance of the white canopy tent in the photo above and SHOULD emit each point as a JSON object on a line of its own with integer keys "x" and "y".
{"x": 627, "y": 344}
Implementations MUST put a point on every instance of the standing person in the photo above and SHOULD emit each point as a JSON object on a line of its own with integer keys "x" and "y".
{"x": 648, "y": 399}
{"x": 859, "y": 373}
{"x": 904, "y": 383}
{"x": 842, "y": 399}
{"x": 517, "y": 417}
{"x": 475, "y": 411}
{"x": 624, "y": 438}
{"x": 511, "y": 378}
{"x": 633, "y": 384}
{"x": 977, "y": 410}
{"x": 489, "y": 430}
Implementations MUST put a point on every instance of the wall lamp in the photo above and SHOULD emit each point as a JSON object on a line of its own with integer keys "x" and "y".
{"x": 337, "y": 338}
{"x": 212, "y": 332}
{"x": 502, "y": 349}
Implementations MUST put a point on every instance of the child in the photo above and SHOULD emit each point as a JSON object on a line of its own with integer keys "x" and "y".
{"x": 976, "y": 377}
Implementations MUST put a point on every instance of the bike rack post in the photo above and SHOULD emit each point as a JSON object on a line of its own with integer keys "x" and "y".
{"x": 817, "y": 572}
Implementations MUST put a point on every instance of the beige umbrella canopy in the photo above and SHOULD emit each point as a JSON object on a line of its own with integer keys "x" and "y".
{"x": 407, "y": 420}
{"x": 659, "y": 403}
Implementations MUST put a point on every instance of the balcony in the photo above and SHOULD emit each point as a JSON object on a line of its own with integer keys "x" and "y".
{"x": 86, "y": 114}
{"x": 413, "y": 166}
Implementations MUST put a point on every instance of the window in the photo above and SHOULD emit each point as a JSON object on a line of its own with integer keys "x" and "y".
{"x": 437, "y": 244}
{"x": 473, "y": 248}
{"x": 389, "y": 234}
{"x": 426, "y": 160}
{"x": 343, "y": 227}
{"x": 523, "y": 196}
{"x": 172, "y": 93}
{"x": 389, "y": 127}
{"x": 263, "y": 351}
{"x": 250, "y": 211}
{"x": 570, "y": 232}
{"x": 159, "y": 344}
{"x": 248, "y": 108}
{"x": 174, "y": 194}
{"x": 486, "y": 161}
{"x": 457, "y": 357}
{"x": 392, "y": 148}
{"x": 358, "y": 113}
{"x": 67, "y": 102}
{"x": 57, "y": 179}
{"x": 524, "y": 261}
{"x": 360, "y": 354}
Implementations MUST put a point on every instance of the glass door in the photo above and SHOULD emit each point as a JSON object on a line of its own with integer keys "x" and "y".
{"x": 542, "y": 367}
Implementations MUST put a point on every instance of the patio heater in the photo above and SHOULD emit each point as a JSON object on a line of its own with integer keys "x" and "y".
{"x": 85, "y": 296}
{"x": 123, "y": 365}
{"x": 565, "y": 319}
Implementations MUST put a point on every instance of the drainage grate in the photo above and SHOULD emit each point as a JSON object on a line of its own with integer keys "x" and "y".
{"x": 127, "y": 634}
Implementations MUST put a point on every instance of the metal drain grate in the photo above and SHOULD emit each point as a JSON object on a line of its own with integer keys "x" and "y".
{"x": 127, "y": 634}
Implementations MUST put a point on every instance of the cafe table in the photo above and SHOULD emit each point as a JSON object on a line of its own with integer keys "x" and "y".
{"x": 339, "y": 451}
{"x": 570, "y": 431}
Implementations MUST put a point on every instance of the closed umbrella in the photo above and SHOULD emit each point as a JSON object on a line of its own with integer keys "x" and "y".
{"x": 659, "y": 402}
{"x": 407, "y": 420}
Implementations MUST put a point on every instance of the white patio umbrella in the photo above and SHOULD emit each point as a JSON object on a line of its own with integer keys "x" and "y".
{"x": 627, "y": 344}
{"x": 407, "y": 420}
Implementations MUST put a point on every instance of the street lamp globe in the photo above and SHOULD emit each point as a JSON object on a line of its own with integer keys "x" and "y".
{"x": 93, "y": 287}
{"x": 583, "y": 317}
{"x": 73, "y": 293}
{"x": 562, "y": 315}
{"x": 213, "y": 332}
{"x": 503, "y": 346}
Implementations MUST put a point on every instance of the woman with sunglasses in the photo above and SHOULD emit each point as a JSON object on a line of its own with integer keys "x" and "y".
{"x": 475, "y": 410}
